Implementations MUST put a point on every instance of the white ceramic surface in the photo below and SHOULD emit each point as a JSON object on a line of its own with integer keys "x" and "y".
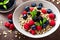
{"x": 19, "y": 10}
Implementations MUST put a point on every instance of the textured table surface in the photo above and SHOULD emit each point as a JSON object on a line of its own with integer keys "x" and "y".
{"x": 15, "y": 35}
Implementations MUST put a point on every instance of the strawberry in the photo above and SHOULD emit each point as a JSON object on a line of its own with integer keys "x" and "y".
{"x": 24, "y": 12}
{"x": 51, "y": 16}
{"x": 10, "y": 16}
{"x": 52, "y": 23}
{"x": 32, "y": 32}
{"x": 39, "y": 28}
{"x": 11, "y": 27}
{"x": 44, "y": 11}
{"x": 31, "y": 22}
{"x": 7, "y": 24}
{"x": 31, "y": 8}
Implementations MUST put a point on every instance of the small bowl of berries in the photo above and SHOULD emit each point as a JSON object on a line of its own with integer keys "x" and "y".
{"x": 7, "y": 5}
{"x": 36, "y": 19}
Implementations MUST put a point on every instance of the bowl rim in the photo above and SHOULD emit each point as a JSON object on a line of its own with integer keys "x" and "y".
{"x": 35, "y": 36}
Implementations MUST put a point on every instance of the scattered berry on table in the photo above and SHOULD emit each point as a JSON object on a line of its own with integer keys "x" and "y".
{"x": 52, "y": 16}
{"x": 40, "y": 4}
{"x": 52, "y": 23}
{"x": 32, "y": 32}
{"x": 33, "y": 4}
{"x": 44, "y": 11}
{"x": 10, "y": 21}
{"x": 49, "y": 11}
{"x": 7, "y": 24}
{"x": 31, "y": 22}
{"x": 33, "y": 27}
{"x": 39, "y": 28}
{"x": 27, "y": 8}
{"x": 25, "y": 16}
{"x": 24, "y": 12}
{"x": 11, "y": 27}
{"x": 10, "y": 16}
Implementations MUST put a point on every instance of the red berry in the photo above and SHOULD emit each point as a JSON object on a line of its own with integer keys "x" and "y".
{"x": 7, "y": 24}
{"x": 39, "y": 28}
{"x": 31, "y": 22}
{"x": 24, "y": 12}
{"x": 52, "y": 23}
{"x": 32, "y": 32}
{"x": 51, "y": 16}
{"x": 44, "y": 11}
{"x": 31, "y": 8}
{"x": 11, "y": 27}
{"x": 26, "y": 26}
{"x": 10, "y": 16}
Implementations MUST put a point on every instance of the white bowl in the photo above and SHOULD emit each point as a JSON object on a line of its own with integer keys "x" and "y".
{"x": 19, "y": 10}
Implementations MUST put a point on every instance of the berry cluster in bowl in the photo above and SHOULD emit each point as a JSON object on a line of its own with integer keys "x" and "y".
{"x": 36, "y": 19}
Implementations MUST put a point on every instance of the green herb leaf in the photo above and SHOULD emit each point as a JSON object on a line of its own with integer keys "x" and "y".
{"x": 5, "y": 6}
{"x": 37, "y": 23}
{"x": 44, "y": 20}
{"x": 41, "y": 23}
{"x": 6, "y": 1}
{"x": 1, "y": 3}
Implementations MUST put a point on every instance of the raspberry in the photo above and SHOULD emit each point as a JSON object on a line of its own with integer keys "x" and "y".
{"x": 51, "y": 16}
{"x": 32, "y": 32}
{"x": 39, "y": 28}
{"x": 31, "y": 22}
{"x": 44, "y": 11}
{"x": 24, "y": 12}
{"x": 7, "y": 24}
{"x": 31, "y": 8}
{"x": 52, "y": 23}
{"x": 11, "y": 27}
{"x": 26, "y": 26}
{"x": 10, "y": 16}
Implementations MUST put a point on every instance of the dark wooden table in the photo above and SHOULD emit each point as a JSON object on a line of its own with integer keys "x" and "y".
{"x": 15, "y": 35}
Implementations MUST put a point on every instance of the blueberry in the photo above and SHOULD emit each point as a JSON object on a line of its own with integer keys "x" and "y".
{"x": 1, "y": 0}
{"x": 35, "y": 19}
{"x": 49, "y": 11}
{"x": 39, "y": 18}
{"x": 10, "y": 21}
{"x": 38, "y": 13}
{"x": 40, "y": 4}
{"x": 33, "y": 27}
{"x": 39, "y": 7}
{"x": 27, "y": 8}
{"x": 44, "y": 26}
{"x": 47, "y": 22}
{"x": 33, "y": 4}
{"x": 28, "y": 13}
{"x": 25, "y": 16}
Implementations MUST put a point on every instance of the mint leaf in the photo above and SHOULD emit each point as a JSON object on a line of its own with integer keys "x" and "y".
{"x": 44, "y": 20}
{"x": 5, "y": 6}
{"x": 1, "y": 3}
{"x": 37, "y": 23}
{"x": 41, "y": 23}
{"x": 5, "y": 1}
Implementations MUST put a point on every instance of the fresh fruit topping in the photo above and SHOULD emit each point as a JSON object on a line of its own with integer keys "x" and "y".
{"x": 52, "y": 16}
{"x": 27, "y": 8}
{"x": 52, "y": 23}
{"x": 47, "y": 22}
{"x": 33, "y": 27}
{"x": 44, "y": 25}
{"x": 26, "y": 26}
{"x": 11, "y": 27}
{"x": 40, "y": 4}
{"x": 49, "y": 11}
{"x": 31, "y": 22}
{"x": 28, "y": 13}
{"x": 33, "y": 4}
{"x": 24, "y": 12}
{"x": 38, "y": 13}
{"x": 44, "y": 11}
{"x": 25, "y": 16}
{"x": 35, "y": 19}
{"x": 10, "y": 21}
{"x": 39, "y": 28}
{"x": 31, "y": 8}
{"x": 32, "y": 32}
{"x": 10, "y": 16}
{"x": 39, "y": 7}
{"x": 7, "y": 24}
